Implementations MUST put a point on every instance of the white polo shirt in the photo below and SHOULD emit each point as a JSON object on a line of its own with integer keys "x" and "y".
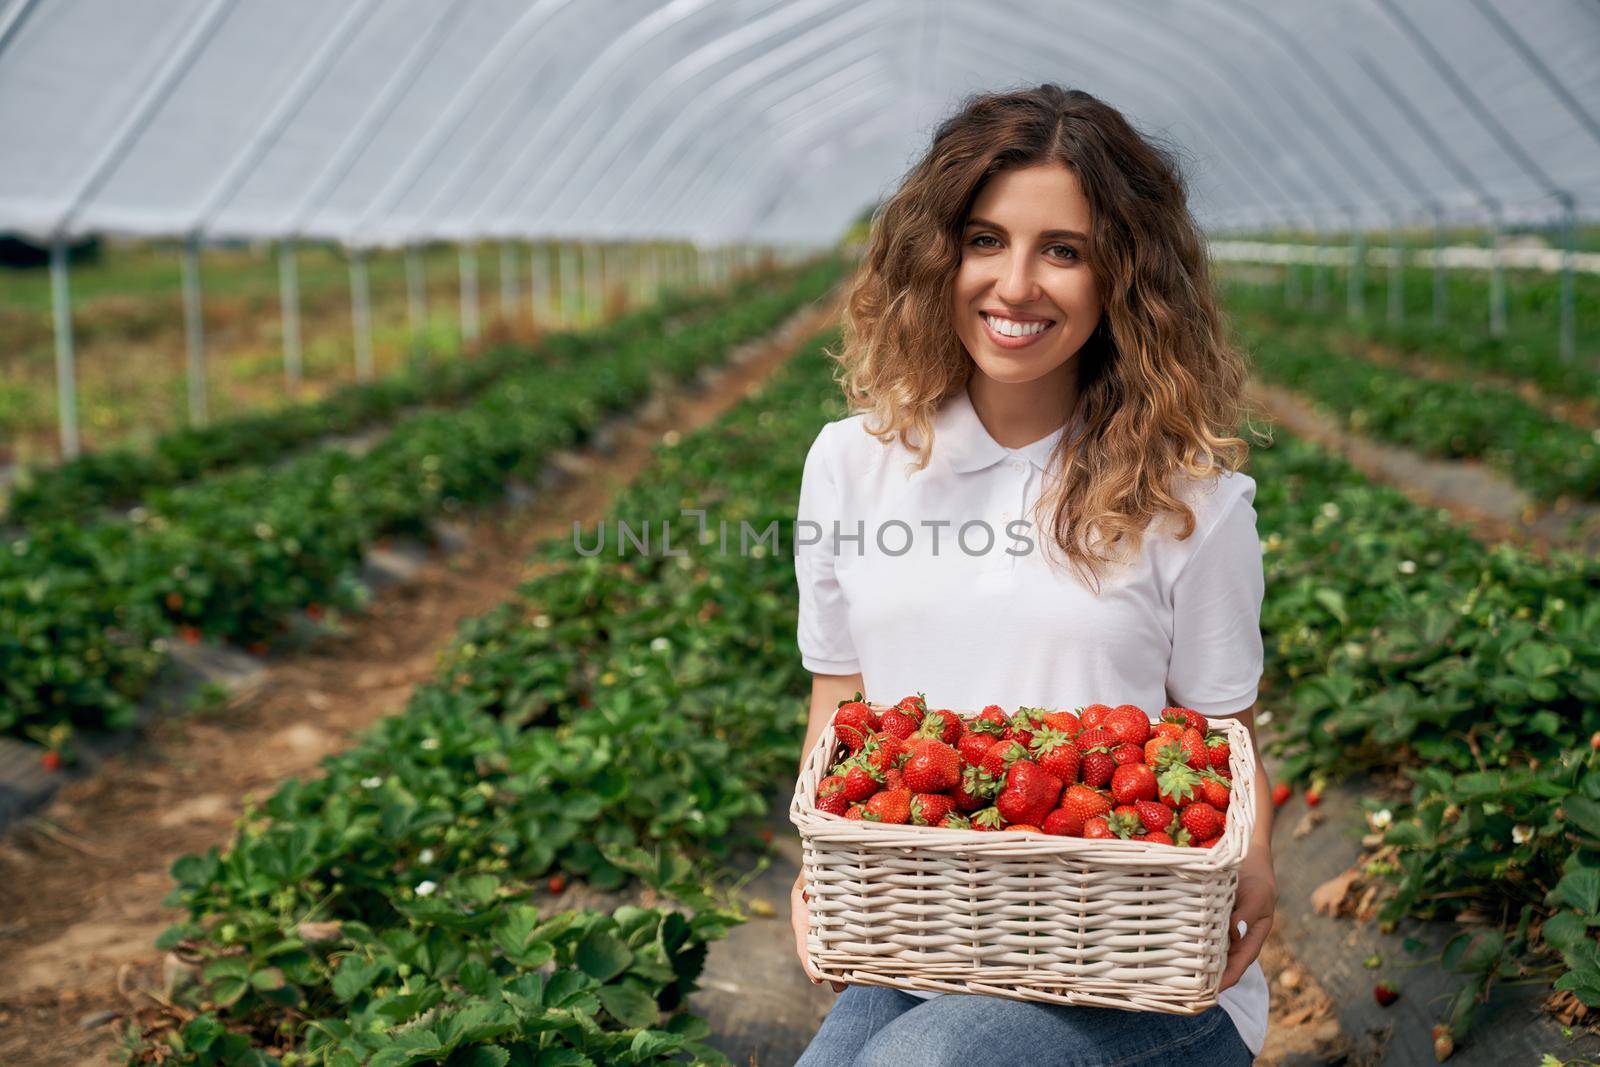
{"x": 938, "y": 582}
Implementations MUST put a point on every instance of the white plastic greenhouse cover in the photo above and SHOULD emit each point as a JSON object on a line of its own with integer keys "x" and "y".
{"x": 386, "y": 121}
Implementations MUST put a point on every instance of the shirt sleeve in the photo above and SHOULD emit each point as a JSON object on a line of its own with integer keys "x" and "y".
{"x": 1217, "y": 653}
{"x": 823, "y": 631}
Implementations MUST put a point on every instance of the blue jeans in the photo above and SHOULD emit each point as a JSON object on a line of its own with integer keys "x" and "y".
{"x": 870, "y": 1026}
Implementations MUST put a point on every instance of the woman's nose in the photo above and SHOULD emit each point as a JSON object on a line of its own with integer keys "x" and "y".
{"x": 1017, "y": 284}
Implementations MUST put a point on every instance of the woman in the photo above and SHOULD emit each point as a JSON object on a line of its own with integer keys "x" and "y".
{"x": 1037, "y": 503}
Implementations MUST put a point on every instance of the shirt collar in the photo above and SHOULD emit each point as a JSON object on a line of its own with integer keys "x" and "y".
{"x": 968, "y": 446}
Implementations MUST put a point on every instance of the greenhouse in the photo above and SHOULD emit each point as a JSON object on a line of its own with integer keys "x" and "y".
{"x": 421, "y": 641}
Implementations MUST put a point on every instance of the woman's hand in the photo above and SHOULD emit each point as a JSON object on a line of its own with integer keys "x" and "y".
{"x": 1255, "y": 902}
{"x": 800, "y": 917}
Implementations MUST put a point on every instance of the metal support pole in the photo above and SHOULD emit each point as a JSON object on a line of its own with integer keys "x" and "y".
{"x": 1319, "y": 278}
{"x": 361, "y": 314}
{"x": 289, "y": 302}
{"x": 1569, "y": 323}
{"x": 1397, "y": 279}
{"x": 468, "y": 269}
{"x": 508, "y": 282}
{"x": 1497, "y": 284}
{"x": 594, "y": 308}
{"x": 571, "y": 286}
{"x": 1439, "y": 295}
{"x": 66, "y": 365}
{"x": 1355, "y": 296}
{"x": 416, "y": 297}
{"x": 1291, "y": 284}
{"x": 194, "y": 331}
{"x": 539, "y": 284}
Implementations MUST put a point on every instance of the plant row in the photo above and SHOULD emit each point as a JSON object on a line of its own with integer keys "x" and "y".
{"x": 1528, "y": 352}
{"x": 1549, "y": 457}
{"x": 621, "y": 718}
{"x": 80, "y": 488}
{"x": 88, "y": 612}
{"x": 1398, "y": 643}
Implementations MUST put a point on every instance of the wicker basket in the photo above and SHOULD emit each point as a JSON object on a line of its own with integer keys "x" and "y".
{"x": 1064, "y": 920}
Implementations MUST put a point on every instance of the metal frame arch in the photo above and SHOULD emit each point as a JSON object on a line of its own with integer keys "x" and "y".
{"x": 1210, "y": 122}
{"x": 799, "y": 57}
{"x": 1226, "y": 78}
{"x": 711, "y": 179}
{"x": 662, "y": 91}
{"x": 635, "y": 38}
{"x": 466, "y": 97}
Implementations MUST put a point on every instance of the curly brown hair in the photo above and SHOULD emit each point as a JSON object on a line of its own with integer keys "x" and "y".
{"x": 1160, "y": 385}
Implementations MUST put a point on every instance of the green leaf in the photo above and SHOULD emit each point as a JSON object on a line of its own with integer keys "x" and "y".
{"x": 480, "y": 1056}
{"x": 629, "y": 1004}
{"x": 1583, "y": 812}
{"x": 1332, "y": 601}
{"x": 602, "y": 957}
{"x": 267, "y": 979}
{"x": 1579, "y": 888}
{"x": 354, "y": 977}
{"x": 202, "y": 1032}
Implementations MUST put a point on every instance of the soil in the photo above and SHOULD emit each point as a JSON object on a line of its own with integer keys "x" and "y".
{"x": 81, "y": 885}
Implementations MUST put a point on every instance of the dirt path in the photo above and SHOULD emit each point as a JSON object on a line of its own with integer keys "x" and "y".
{"x": 1494, "y": 506}
{"x": 81, "y": 885}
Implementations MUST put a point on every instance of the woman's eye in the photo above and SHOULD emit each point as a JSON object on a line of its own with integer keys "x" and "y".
{"x": 982, "y": 237}
{"x": 1065, "y": 251}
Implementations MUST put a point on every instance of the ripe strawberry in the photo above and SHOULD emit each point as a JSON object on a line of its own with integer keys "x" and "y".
{"x": 1065, "y": 721}
{"x": 1385, "y": 994}
{"x": 915, "y": 706}
{"x": 1093, "y": 715}
{"x": 1001, "y": 755}
{"x": 935, "y": 768}
{"x": 1022, "y": 827}
{"x": 853, "y": 723}
{"x": 890, "y": 806}
{"x": 1055, "y": 752}
{"x": 894, "y": 778}
{"x": 1023, "y": 725}
{"x": 1217, "y": 751}
{"x": 1097, "y": 768}
{"x": 1280, "y": 794}
{"x": 1213, "y": 789}
{"x": 1314, "y": 794}
{"x": 860, "y": 783}
{"x": 991, "y": 720}
{"x": 50, "y": 760}
{"x": 1124, "y": 823}
{"x": 1168, "y": 728}
{"x": 1095, "y": 737}
{"x": 1133, "y": 781}
{"x": 882, "y": 751}
{"x": 1176, "y": 784}
{"x": 943, "y": 725}
{"x": 557, "y": 884}
{"x": 1194, "y": 749}
{"x": 975, "y": 789}
{"x": 831, "y": 797}
{"x": 1060, "y": 823}
{"x": 1080, "y": 804}
{"x": 855, "y": 812}
{"x": 190, "y": 635}
{"x": 834, "y": 804}
{"x": 1126, "y": 754}
{"x": 1128, "y": 724}
{"x": 988, "y": 819}
{"x": 1188, "y": 717}
{"x": 955, "y": 821}
{"x": 1154, "y": 815}
{"x": 929, "y": 809}
{"x": 1201, "y": 820}
{"x": 1210, "y": 842}
{"x": 899, "y": 722}
{"x": 1097, "y": 828}
{"x": 1158, "y": 837}
{"x": 973, "y": 745}
{"x": 1161, "y": 750}
{"x": 1029, "y": 794}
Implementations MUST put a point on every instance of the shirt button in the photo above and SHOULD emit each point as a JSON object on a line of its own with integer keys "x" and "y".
{"x": 1016, "y": 464}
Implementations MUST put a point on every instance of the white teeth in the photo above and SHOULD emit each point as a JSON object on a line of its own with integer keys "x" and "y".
{"x": 1011, "y": 328}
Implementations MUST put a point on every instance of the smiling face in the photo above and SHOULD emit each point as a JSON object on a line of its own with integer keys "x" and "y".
{"x": 1025, "y": 300}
